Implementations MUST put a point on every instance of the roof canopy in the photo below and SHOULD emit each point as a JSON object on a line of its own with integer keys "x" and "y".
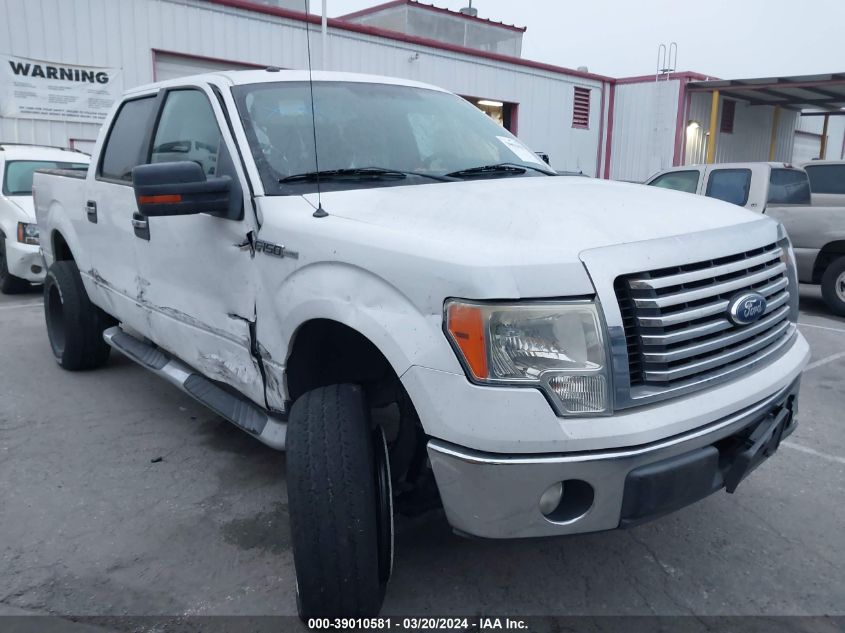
{"x": 825, "y": 92}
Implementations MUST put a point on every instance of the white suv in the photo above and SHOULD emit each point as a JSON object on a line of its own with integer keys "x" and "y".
{"x": 20, "y": 257}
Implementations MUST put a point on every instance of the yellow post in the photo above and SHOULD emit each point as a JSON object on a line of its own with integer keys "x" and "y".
{"x": 823, "y": 148}
{"x": 711, "y": 140}
{"x": 773, "y": 143}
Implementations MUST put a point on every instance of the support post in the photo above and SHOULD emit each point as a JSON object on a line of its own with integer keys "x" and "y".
{"x": 823, "y": 148}
{"x": 714, "y": 117}
{"x": 324, "y": 23}
{"x": 773, "y": 143}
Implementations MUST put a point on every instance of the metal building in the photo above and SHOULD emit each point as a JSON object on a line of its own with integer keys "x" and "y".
{"x": 555, "y": 110}
{"x": 664, "y": 120}
{"x": 64, "y": 62}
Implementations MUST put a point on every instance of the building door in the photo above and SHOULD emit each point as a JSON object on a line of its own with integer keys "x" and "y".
{"x": 807, "y": 147}
{"x": 171, "y": 65}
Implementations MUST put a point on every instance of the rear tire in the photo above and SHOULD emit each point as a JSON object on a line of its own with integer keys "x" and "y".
{"x": 74, "y": 324}
{"x": 338, "y": 504}
{"x": 833, "y": 286}
{"x": 9, "y": 284}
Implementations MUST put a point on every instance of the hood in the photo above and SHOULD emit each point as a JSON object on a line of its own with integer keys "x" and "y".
{"x": 496, "y": 239}
{"x": 25, "y": 205}
{"x": 531, "y": 220}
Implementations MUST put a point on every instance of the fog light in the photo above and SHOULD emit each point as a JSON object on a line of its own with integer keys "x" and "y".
{"x": 550, "y": 499}
{"x": 35, "y": 269}
{"x": 581, "y": 394}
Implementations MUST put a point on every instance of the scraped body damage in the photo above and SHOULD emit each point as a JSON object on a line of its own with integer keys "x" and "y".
{"x": 192, "y": 293}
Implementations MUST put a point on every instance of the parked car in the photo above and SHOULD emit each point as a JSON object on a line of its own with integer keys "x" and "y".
{"x": 20, "y": 258}
{"x": 816, "y": 227}
{"x": 827, "y": 182}
{"x": 433, "y": 316}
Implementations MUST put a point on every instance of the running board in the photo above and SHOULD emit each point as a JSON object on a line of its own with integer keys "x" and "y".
{"x": 240, "y": 411}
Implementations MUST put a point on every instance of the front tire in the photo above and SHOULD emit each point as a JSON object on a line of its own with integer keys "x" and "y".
{"x": 9, "y": 284}
{"x": 833, "y": 286}
{"x": 74, "y": 324}
{"x": 338, "y": 504}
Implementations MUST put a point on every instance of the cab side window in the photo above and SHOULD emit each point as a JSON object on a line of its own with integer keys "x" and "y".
{"x": 126, "y": 146}
{"x": 686, "y": 181}
{"x": 730, "y": 185}
{"x": 187, "y": 130}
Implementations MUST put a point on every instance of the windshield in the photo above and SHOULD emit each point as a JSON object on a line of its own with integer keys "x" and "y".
{"x": 17, "y": 181}
{"x": 420, "y": 132}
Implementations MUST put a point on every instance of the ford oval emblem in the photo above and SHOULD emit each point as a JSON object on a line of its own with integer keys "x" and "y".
{"x": 746, "y": 308}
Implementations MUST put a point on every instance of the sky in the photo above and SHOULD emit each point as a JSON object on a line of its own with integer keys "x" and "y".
{"x": 729, "y": 39}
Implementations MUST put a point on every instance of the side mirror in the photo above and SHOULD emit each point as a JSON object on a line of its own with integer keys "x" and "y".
{"x": 181, "y": 188}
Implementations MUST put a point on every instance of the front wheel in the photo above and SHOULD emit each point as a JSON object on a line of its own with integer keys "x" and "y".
{"x": 9, "y": 284}
{"x": 340, "y": 505}
{"x": 74, "y": 324}
{"x": 833, "y": 286}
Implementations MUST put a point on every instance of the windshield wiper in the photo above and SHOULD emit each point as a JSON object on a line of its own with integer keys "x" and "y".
{"x": 505, "y": 169}
{"x": 359, "y": 173}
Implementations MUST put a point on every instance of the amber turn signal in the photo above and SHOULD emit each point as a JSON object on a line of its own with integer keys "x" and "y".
{"x": 465, "y": 324}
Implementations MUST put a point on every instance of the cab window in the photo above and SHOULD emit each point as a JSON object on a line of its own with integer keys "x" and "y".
{"x": 730, "y": 185}
{"x": 826, "y": 178}
{"x": 187, "y": 130}
{"x": 686, "y": 181}
{"x": 126, "y": 146}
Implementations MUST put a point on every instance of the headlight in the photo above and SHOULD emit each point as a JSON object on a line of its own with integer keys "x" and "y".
{"x": 556, "y": 347}
{"x": 27, "y": 233}
{"x": 788, "y": 258}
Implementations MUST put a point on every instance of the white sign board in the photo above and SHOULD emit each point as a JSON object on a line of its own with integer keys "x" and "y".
{"x": 36, "y": 89}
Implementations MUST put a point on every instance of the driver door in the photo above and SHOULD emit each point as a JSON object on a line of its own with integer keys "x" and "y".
{"x": 197, "y": 279}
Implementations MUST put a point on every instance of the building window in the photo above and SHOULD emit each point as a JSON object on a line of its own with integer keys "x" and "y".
{"x": 728, "y": 115}
{"x": 581, "y": 108}
{"x": 503, "y": 113}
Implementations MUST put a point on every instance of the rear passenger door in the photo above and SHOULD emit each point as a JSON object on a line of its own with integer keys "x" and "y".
{"x": 105, "y": 224}
{"x": 196, "y": 270}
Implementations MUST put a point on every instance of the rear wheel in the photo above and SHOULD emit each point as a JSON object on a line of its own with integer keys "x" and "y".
{"x": 9, "y": 284}
{"x": 833, "y": 286}
{"x": 74, "y": 324}
{"x": 339, "y": 496}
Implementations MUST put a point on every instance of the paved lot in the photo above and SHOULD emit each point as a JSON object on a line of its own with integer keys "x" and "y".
{"x": 88, "y": 525}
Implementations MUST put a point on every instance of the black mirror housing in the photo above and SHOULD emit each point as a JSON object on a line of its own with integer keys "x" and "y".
{"x": 182, "y": 188}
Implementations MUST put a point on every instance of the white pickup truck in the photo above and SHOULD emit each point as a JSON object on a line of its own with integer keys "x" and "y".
{"x": 421, "y": 312}
{"x": 20, "y": 257}
{"x": 815, "y": 223}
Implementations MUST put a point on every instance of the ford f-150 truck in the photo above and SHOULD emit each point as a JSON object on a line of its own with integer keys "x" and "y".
{"x": 20, "y": 259}
{"x": 816, "y": 226}
{"x": 386, "y": 284}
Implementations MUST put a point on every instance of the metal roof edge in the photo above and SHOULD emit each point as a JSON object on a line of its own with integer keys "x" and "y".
{"x": 429, "y": 7}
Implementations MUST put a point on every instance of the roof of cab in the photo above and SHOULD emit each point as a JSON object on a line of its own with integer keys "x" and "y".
{"x": 269, "y": 75}
{"x": 819, "y": 161}
{"x": 20, "y": 151}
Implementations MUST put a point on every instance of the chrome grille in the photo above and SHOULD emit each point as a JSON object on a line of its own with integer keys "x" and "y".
{"x": 675, "y": 319}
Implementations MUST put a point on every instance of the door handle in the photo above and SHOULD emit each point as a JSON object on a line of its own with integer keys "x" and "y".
{"x": 91, "y": 211}
{"x": 141, "y": 226}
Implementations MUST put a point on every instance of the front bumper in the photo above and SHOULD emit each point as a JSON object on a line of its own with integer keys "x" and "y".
{"x": 497, "y": 496}
{"x": 25, "y": 261}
